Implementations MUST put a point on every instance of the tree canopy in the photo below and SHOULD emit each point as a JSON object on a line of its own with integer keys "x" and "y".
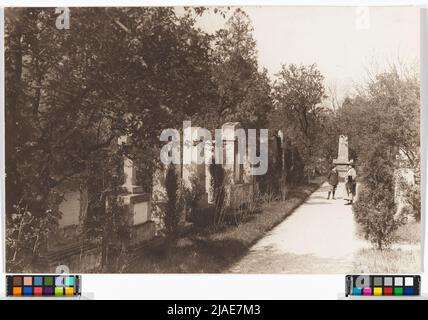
{"x": 136, "y": 71}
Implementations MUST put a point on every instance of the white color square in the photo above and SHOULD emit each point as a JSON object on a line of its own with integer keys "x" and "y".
{"x": 408, "y": 281}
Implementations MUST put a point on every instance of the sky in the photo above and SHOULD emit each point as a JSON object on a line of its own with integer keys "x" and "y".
{"x": 343, "y": 41}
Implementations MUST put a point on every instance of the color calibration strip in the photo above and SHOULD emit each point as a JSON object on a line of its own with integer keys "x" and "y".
{"x": 381, "y": 285}
{"x": 43, "y": 285}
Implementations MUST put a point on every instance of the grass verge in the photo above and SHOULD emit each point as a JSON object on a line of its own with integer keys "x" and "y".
{"x": 394, "y": 260}
{"x": 404, "y": 256}
{"x": 211, "y": 250}
{"x": 410, "y": 233}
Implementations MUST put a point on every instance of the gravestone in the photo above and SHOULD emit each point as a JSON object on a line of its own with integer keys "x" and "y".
{"x": 240, "y": 180}
{"x": 282, "y": 144}
{"x": 196, "y": 168}
{"x": 230, "y": 153}
{"x": 67, "y": 246}
{"x": 342, "y": 162}
{"x": 70, "y": 208}
{"x": 73, "y": 208}
{"x": 129, "y": 170}
{"x": 136, "y": 202}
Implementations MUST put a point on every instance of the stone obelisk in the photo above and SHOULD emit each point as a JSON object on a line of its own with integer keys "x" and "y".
{"x": 342, "y": 162}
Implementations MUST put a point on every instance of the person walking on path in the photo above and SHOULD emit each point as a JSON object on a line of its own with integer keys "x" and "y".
{"x": 333, "y": 180}
{"x": 351, "y": 184}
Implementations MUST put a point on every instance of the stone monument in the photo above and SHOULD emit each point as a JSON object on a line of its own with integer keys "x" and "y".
{"x": 342, "y": 162}
{"x": 136, "y": 202}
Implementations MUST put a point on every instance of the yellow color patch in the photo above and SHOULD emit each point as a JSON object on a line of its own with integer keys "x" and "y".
{"x": 69, "y": 291}
{"x": 377, "y": 291}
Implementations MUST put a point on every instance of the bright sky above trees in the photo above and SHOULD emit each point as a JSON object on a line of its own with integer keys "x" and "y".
{"x": 328, "y": 36}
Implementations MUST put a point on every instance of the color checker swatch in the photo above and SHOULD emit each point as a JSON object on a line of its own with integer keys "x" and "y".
{"x": 43, "y": 285}
{"x": 381, "y": 285}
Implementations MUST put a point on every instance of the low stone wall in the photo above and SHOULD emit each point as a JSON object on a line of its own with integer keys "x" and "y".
{"x": 143, "y": 232}
{"x": 77, "y": 257}
{"x": 85, "y": 257}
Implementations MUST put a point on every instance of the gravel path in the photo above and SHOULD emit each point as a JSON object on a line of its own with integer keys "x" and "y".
{"x": 319, "y": 237}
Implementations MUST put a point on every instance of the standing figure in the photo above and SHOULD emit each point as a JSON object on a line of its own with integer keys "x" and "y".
{"x": 333, "y": 180}
{"x": 351, "y": 184}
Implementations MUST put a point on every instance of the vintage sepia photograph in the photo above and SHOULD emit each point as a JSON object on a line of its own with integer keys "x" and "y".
{"x": 254, "y": 139}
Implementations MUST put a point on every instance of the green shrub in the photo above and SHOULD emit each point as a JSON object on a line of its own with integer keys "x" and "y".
{"x": 377, "y": 218}
{"x": 375, "y": 209}
{"x": 203, "y": 216}
{"x": 27, "y": 235}
{"x": 192, "y": 196}
{"x": 218, "y": 186}
{"x": 172, "y": 212}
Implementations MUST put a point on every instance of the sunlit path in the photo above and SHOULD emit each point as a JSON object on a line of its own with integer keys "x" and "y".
{"x": 319, "y": 237}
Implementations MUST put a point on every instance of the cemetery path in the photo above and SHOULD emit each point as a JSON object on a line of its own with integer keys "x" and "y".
{"x": 318, "y": 237}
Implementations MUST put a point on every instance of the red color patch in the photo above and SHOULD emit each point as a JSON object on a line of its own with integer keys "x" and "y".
{"x": 387, "y": 291}
{"x": 38, "y": 291}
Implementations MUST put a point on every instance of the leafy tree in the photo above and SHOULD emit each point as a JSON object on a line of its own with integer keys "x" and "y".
{"x": 298, "y": 93}
{"x": 385, "y": 111}
{"x": 242, "y": 90}
{"x": 71, "y": 94}
{"x": 398, "y": 99}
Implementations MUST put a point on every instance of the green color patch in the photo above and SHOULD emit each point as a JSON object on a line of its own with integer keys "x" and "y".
{"x": 398, "y": 291}
{"x": 48, "y": 281}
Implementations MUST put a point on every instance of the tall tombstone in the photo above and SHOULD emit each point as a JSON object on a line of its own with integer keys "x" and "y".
{"x": 73, "y": 208}
{"x": 342, "y": 162}
{"x": 282, "y": 143}
{"x": 196, "y": 168}
{"x": 193, "y": 169}
{"x": 239, "y": 186}
{"x": 230, "y": 147}
{"x": 136, "y": 202}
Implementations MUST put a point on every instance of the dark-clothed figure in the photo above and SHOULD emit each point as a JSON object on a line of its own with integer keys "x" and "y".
{"x": 333, "y": 180}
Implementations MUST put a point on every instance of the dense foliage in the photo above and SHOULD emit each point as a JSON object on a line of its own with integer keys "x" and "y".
{"x": 70, "y": 94}
{"x": 383, "y": 121}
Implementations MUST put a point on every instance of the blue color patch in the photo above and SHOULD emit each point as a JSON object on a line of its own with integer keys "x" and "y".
{"x": 38, "y": 281}
{"x": 408, "y": 291}
{"x": 357, "y": 291}
{"x": 28, "y": 291}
